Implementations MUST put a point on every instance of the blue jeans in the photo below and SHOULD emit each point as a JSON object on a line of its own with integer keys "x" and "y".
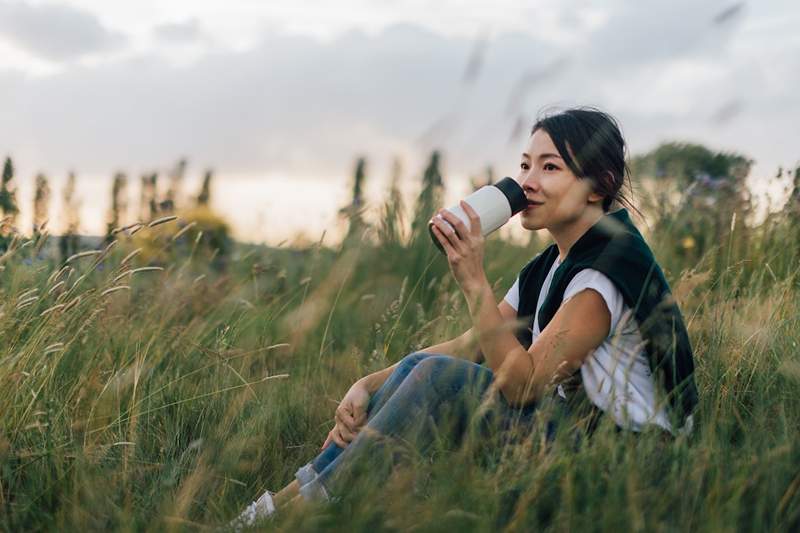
{"x": 426, "y": 395}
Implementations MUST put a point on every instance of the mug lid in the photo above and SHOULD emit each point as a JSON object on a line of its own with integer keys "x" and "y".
{"x": 513, "y": 193}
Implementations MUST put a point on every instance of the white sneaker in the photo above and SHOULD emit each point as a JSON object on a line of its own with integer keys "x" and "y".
{"x": 258, "y": 510}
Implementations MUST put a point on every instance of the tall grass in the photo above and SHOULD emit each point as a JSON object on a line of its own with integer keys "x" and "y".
{"x": 167, "y": 399}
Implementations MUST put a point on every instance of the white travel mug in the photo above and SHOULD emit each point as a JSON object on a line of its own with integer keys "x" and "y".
{"x": 495, "y": 205}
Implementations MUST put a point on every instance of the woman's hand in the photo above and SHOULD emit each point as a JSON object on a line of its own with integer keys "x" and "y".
{"x": 351, "y": 414}
{"x": 464, "y": 247}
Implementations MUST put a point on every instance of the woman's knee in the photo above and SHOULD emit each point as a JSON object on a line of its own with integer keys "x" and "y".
{"x": 445, "y": 378}
{"x": 414, "y": 358}
{"x": 443, "y": 368}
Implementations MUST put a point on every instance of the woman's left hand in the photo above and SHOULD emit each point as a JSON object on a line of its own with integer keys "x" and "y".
{"x": 464, "y": 246}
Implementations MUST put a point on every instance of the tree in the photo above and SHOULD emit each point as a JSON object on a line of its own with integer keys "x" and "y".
{"x": 430, "y": 199}
{"x": 793, "y": 205}
{"x": 119, "y": 204}
{"x": 148, "y": 197}
{"x": 8, "y": 199}
{"x": 204, "y": 198}
{"x": 353, "y": 212}
{"x": 68, "y": 244}
{"x": 393, "y": 210}
{"x": 41, "y": 203}
{"x": 422, "y": 261}
{"x": 478, "y": 182}
{"x": 687, "y": 163}
{"x": 172, "y": 198}
{"x": 699, "y": 197}
{"x": 8, "y": 205}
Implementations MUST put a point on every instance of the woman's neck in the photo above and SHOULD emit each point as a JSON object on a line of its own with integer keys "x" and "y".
{"x": 568, "y": 234}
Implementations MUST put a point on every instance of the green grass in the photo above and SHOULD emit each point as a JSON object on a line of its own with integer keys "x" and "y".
{"x": 173, "y": 403}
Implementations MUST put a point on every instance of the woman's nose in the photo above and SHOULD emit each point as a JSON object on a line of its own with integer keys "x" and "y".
{"x": 529, "y": 181}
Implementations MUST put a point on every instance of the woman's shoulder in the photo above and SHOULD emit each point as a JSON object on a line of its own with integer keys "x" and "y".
{"x": 590, "y": 278}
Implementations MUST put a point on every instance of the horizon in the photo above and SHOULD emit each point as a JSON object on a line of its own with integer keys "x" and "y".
{"x": 245, "y": 202}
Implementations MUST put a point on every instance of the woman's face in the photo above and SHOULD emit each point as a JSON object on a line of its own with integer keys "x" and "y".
{"x": 559, "y": 197}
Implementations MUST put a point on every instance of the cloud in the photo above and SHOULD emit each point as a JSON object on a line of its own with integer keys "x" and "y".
{"x": 295, "y": 105}
{"x": 184, "y": 32}
{"x": 637, "y": 33}
{"x": 56, "y": 32}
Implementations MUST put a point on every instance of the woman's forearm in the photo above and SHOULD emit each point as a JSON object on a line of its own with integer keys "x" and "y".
{"x": 504, "y": 355}
{"x": 372, "y": 382}
{"x": 464, "y": 347}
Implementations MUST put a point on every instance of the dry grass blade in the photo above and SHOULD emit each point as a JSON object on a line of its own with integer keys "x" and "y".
{"x": 126, "y": 416}
{"x": 51, "y": 309}
{"x": 55, "y": 347}
{"x": 183, "y": 230}
{"x": 55, "y": 287}
{"x": 131, "y": 272}
{"x": 115, "y": 289}
{"x": 126, "y": 273}
{"x": 90, "y": 253}
{"x": 26, "y": 302}
{"x": 146, "y": 269}
{"x": 162, "y": 220}
{"x": 72, "y": 303}
{"x": 111, "y": 245}
{"x": 136, "y": 225}
{"x": 27, "y": 293}
{"x": 57, "y": 274}
{"x": 130, "y": 256}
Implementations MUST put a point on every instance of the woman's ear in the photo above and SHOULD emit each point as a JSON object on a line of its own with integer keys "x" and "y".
{"x": 596, "y": 196}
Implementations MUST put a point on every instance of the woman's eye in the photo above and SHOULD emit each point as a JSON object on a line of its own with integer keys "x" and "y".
{"x": 523, "y": 166}
{"x": 550, "y": 166}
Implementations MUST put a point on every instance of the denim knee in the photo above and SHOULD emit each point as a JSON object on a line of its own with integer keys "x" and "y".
{"x": 441, "y": 365}
{"x": 414, "y": 358}
{"x": 448, "y": 373}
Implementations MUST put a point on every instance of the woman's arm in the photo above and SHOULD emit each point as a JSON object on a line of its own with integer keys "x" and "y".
{"x": 579, "y": 326}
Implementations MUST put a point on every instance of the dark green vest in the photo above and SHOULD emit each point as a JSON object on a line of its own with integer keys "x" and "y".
{"x": 615, "y": 247}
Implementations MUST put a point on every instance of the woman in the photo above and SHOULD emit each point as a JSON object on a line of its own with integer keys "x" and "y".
{"x": 597, "y": 305}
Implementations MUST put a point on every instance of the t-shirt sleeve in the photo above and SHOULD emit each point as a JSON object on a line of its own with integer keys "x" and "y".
{"x": 592, "y": 279}
{"x": 512, "y": 296}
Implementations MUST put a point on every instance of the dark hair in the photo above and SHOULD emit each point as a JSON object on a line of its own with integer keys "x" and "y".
{"x": 591, "y": 144}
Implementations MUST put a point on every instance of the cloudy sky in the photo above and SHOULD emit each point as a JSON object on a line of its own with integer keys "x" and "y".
{"x": 280, "y": 97}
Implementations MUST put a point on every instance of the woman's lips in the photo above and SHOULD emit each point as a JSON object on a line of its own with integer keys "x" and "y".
{"x": 531, "y": 205}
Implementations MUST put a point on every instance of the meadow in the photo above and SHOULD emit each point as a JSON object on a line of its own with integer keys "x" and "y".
{"x": 165, "y": 388}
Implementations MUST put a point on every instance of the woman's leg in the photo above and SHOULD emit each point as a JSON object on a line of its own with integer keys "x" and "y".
{"x": 437, "y": 385}
{"x": 308, "y": 472}
{"x": 286, "y": 494}
{"x": 266, "y": 504}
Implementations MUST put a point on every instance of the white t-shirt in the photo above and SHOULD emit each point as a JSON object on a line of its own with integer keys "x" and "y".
{"x": 616, "y": 375}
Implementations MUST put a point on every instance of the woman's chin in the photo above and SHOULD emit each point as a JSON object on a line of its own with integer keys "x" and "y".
{"x": 529, "y": 224}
